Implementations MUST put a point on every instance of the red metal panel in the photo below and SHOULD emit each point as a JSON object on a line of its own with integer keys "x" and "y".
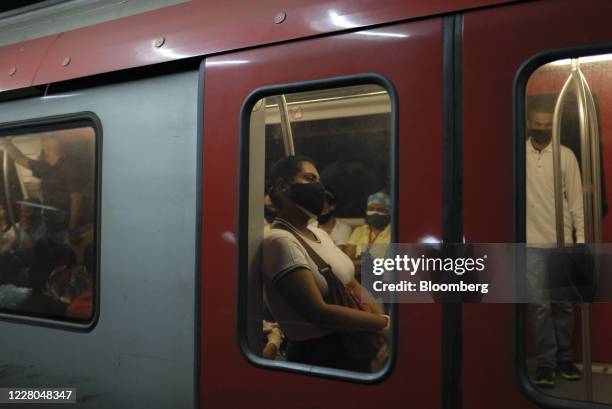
{"x": 19, "y": 62}
{"x": 204, "y": 27}
{"x": 496, "y": 42}
{"x": 412, "y": 60}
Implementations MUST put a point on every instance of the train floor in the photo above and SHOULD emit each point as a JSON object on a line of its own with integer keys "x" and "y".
{"x": 575, "y": 390}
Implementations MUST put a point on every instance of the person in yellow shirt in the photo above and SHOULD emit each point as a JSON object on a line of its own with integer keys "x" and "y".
{"x": 377, "y": 229}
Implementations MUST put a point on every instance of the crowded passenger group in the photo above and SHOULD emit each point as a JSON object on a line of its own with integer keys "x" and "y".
{"x": 46, "y": 249}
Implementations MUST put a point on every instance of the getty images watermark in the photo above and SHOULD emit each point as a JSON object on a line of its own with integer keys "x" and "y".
{"x": 422, "y": 264}
{"x": 488, "y": 273}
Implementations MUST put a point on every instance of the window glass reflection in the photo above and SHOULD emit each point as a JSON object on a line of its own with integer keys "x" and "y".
{"x": 47, "y": 253}
{"x": 568, "y": 111}
{"x": 318, "y": 199}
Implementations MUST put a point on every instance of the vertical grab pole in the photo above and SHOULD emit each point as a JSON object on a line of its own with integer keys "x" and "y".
{"x": 593, "y": 212}
{"x": 558, "y": 182}
{"x": 595, "y": 159}
{"x": 588, "y": 217}
{"x": 286, "y": 126}
{"x": 585, "y": 153}
{"x": 7, "y": 189}
{"x": 585, "y": 145}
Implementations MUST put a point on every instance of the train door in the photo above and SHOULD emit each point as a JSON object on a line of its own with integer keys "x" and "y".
{"x": 105, "y": 304}
{"x": 366, "y": 106}
{"x": 516, "y": 60}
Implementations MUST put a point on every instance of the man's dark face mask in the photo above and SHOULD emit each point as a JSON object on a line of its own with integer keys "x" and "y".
{"x": 541, "y": 136}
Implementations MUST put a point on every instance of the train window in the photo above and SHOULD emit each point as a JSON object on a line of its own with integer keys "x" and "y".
{"x": 319, "y": 181}
{"x": 47, "y": 222}
{"x": 566, "y": 115}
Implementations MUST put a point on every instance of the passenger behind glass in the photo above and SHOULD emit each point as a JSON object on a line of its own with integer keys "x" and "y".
{"x": 553, "y": 323}
{"x": 62, "y": 186}
{"x": 273, "y": 341}
{"x": 11, "y": 261}
{"x": 4, "y": 224}
{"x": 272, "y": 334}
{"x": 47, "y": 256}
{"x": 72, "y": 285}
{"x": 5, "y": 261}
{"x": 295, "y": 289}
{"x": 377, "y": 229}
{"x": 27, "y": 230}
{"x": 336, "y": 228}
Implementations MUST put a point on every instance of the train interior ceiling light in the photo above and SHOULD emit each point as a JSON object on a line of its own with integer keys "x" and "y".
{"x": 585, "y": 60}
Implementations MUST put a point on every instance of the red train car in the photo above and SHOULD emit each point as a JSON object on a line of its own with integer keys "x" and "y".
{"x": 165, "y": 118}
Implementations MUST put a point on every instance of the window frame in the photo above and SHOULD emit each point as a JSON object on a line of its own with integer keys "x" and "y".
{"x": 243, "y": 223}
{"x": 59, "y": 123}
{"x": 519, "y": 311}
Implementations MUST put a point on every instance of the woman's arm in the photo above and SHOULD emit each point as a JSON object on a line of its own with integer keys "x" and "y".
{"x": 299, "y": 290}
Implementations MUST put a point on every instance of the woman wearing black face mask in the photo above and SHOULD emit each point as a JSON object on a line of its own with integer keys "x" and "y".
{"x": 377, "y": 229}
{"x": 295, "y": 288}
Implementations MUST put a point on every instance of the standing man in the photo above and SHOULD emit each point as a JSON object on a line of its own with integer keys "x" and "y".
{"x": 60, "y": 184}
{"x": 553, "y": 323}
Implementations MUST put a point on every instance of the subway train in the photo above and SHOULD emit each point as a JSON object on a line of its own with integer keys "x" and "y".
{"x": 135, "y": 142}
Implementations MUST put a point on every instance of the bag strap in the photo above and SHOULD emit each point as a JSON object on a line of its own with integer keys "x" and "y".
{"x": 324, "y": 268}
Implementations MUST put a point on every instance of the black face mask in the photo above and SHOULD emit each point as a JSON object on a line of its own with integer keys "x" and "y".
{"x": 378, "y": 221}
{"x": 541, "y": 136}
{"x": 310, "y": 196}
{"x": 324, "y": 218}
{"x": 269, "y": 214}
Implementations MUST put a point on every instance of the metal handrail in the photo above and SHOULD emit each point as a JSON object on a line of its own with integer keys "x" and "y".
{"x": 585, "y": 153}
{"x": 556, "y": 141}
{"x": 591, "y": 189}
{"x": 286, "y": 126}
{"x": 595, "y": 160}
{"x": 7, "y": 190}
{"x": 593, "y": 219}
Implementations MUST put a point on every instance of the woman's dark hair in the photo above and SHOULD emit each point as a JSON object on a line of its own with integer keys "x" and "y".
{"x": 287, "y": 169}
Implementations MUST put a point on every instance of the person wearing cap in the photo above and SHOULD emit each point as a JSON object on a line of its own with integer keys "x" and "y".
{"x": 377, "y": 229}
{"x": 338, "y": 230}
